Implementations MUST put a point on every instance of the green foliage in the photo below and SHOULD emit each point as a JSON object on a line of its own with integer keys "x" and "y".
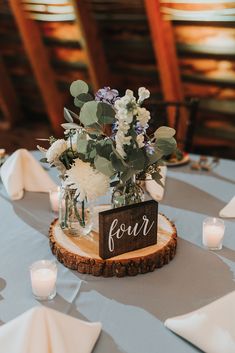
{"x": 69, "y": 126}
{"x": 68, "y": 116}
{"x": 98, "y": 149}
{"x": 157, "y": 177}
{"x": 156, "y": 156}
{"x": 117, "y": 163}
{"x": 137, "y": 159}
{"x": 104, "y": 148}
{"x": 81, "y": 99}
{"x": 127, "y": 174}
{"x": 105, "y": 113}
{"x": 78, "y": 87}
{"x": 166, "y": 145}
{"x": 104, "y": 166}
{"x": 88, "y": 113}
{"x": 82, "y": 146}
{"x": 43, "y": 160}
{"x": 164, "y": 132}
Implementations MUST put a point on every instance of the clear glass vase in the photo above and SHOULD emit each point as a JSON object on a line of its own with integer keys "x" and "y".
{"x": 75, "y": 217}
{"x": 127, "y": 193}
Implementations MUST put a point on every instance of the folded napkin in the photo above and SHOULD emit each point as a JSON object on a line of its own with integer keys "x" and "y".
{"x": 211, "y": 328}
{"x": 43, "y": 330}
{"x": 21, "y": 171}
{"x": 229, "y": 210}
{"x": 155, "y": 190}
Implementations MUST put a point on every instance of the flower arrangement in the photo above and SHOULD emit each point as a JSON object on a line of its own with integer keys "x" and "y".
{"x": 106, "y": 143}
{"x": 90, "y": 151}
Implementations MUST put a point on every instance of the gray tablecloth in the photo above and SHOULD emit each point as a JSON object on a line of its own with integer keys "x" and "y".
{"x": 131, "y": 309}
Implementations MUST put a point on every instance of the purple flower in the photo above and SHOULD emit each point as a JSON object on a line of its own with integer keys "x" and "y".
{"x": 149, "y": 149}
{"x": 107, "y": 95}
{"x": 139, "y": 129}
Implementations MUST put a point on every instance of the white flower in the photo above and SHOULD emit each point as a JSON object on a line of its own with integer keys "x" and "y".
{"x": 120, "y": 150}
{"x": 129, "y": 93}
{"x": 140, "y": 140}
{"x": 143, "y": 94}
{"x": 87, "y": 180}
{"x": 143, "y": 116}
{"x": 55, "y": 150}
{"x": 123, "y": 126}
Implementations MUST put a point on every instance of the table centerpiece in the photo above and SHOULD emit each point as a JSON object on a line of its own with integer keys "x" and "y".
{"x": 106, "y": 143}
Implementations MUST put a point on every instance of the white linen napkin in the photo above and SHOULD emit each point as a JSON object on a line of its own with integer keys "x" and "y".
{"x": 211, "y": 328}
{"x": 43, "y": 330}
{"x": 21, "y": 171}
{"x": 155, "y": 190}
{"x": 229, "y": 210}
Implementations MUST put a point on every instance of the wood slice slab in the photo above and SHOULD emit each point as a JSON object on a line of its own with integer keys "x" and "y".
{"x": 82, "y": 253}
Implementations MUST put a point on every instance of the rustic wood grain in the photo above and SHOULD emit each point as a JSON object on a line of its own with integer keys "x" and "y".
{"x": 39, "y": 61}
{"x": 85, "y": 258}
{"x": 166, "y": 56}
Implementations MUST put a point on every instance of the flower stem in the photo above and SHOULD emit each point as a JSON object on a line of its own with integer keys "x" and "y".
{"x": 81, "y": 220}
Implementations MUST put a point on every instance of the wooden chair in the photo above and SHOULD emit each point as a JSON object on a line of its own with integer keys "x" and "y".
{"x": 160, "y": 116}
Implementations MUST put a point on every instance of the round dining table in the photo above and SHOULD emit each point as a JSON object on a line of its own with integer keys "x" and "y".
{"x": 132, "y": 310}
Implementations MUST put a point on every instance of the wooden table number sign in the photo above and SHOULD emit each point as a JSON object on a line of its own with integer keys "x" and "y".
{"x": 127, "y": 228}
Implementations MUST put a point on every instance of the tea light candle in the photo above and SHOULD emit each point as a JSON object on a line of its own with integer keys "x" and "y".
{"x": 2, "y": 152}
{"x": 43, "y": 279}
{"x": 213, "y": 233}
{"x": 55, "y": 200}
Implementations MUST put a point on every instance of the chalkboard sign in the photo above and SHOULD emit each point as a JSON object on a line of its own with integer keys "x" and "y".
{"x": 127, "y": 228}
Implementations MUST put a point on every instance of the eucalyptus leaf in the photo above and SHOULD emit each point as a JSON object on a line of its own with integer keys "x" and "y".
{"x": 155, "y": 157}
{"x": 92, "y": 154}
{"x": 137, "y": 159}
{"x": 157, "y": 177}
{"x": 68, "y": 116}
{"x": 82, "y": 146}
{"x": 117, "y": 163}
{"x": 119, "y": 156}
{"x": 43, "y": 160}
{"x": 88, "y": 113}
{"x": 105, "y": 113}
{"x": 127, "y": 174}
{"x": 103, "y": 165}
{"x": 78, "y": 87}
{"x": 166, "y": 145}
{"x": 73, "y": 115}
{"x": 81, "y": 99}
{"x": 69, "y": 126}
{"x": 94, "y": 130}
{"x": 104, "y": 148}
{"x": 164, "y": 132}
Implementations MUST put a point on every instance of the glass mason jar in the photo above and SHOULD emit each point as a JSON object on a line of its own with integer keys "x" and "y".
{"x": 75, "y": 217}
{"x": 127, "y": 193}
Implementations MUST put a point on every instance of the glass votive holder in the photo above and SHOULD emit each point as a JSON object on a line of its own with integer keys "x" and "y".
{"x": 54, "y": 196}
{"x": 213, "y": 233}
{"x": 43, "y": 276}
